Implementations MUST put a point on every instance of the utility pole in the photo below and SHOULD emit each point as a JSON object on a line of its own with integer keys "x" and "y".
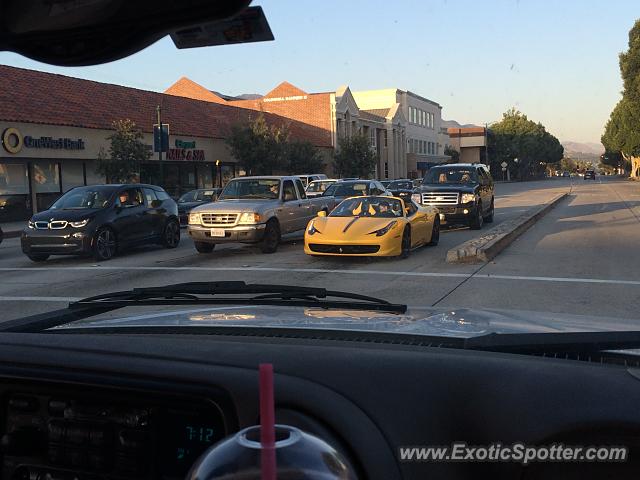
{"x": 158, "y": 111}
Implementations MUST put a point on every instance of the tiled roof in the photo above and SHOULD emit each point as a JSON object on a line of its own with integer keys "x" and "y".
{"x": 367, "y": 115}
{"x": 285, "y": 89}
{"x": 380, "y": 112}
{"x": 38, "y": 97}
{"x": 190, "y": 89}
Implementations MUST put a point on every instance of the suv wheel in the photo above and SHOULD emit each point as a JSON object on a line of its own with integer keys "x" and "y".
{"x": 476, "y": 223}
{"x": 38, "y": 257}
{"x": 489, "y": 217}
{"x": 271, "y": 238}
{"x": 104, "y": 244}
{"x": 171, "y": 234}
{"x": 202, "y": 247}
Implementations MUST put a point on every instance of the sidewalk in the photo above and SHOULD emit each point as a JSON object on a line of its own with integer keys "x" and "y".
{"x": 12, "y": 229}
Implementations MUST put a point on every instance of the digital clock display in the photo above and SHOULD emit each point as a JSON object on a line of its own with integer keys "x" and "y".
{"x": 186, "y": 436}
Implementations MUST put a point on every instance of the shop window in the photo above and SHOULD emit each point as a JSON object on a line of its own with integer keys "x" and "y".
{"x": 14, "y": 179}
{"x": 227, "y": 173}
{"x": 93, "y": 178}
{"x": 46, "y": 177}
{"x": 72, "y": 175}
{"x": 205, "y": 176}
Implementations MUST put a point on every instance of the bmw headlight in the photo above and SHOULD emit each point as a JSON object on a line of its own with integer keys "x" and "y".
{"x": 32, "y": 224}
{"x": 417, "y": 198}
{"x": 194, "y": 219}
{"x": 80, "y": 223}
{"x": 384, "y": 230}
{"x": 468, "y": 197}
{"x": 249, "y": 218}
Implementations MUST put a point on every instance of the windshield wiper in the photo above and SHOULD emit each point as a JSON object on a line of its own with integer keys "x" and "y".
{"x": 203, "y": 293}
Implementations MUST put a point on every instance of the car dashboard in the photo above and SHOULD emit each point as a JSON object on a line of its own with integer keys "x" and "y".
{"x": 145, "y": 406}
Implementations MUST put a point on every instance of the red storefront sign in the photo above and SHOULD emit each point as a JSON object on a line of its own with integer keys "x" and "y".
{"x": 186, "y": 155}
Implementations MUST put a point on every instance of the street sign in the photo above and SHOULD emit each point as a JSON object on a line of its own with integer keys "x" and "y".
{"x": 504, "y": 165}
{"x": 165, "y": 137}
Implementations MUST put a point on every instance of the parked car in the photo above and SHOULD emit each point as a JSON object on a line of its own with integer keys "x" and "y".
{"x": 255, "y": 210}
{"x": 310, "y": 177}
{"x": 101, "y": 220}
{"x": 402, "y": 188}
{"x": 372, "y": 226}
{"x": 353, "y": 188}
{"x": 590, "y": 175}
{"x": 194, "y": 198}
{"x": 385, "y": 183}
{"x": 566, "y": 174}
{"x": 463, "y": 193}
{"x": 317, "y": 187}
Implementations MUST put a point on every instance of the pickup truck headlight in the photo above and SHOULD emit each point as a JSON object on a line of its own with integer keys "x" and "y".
{"x": 384, "y": 230}
{"x": 194, "y": 219}
{"x": 80, "y": 224}
{"x": 416, "y": 197}
{"x": 249, "y": 218}
{"x": 468, "y": 197}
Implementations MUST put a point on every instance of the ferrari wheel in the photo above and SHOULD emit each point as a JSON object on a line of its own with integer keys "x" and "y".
{"x": 406, "y": 243}
{"x": 435, "y": 232}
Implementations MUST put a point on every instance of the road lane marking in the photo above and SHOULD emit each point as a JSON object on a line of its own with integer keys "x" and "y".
{"x": 486, "y": 276}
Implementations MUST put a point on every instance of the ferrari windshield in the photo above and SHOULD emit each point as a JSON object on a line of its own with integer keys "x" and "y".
{"x": 84, "y": 198}
{"x": 380, "y": 207}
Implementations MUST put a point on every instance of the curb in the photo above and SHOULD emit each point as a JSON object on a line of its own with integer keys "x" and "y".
{"x": 487, "y": 246}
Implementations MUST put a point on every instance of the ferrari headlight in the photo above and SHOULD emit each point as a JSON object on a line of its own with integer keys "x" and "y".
{"x": 312, "y": 228}
{"x": 384, "y": 230}
{"x": 249, "y": 218}
{"x": 468, "y": 197}
{"x": 80, "y": 223}
{"x": 416, "y": 197}
{"x": 194, "y": 219}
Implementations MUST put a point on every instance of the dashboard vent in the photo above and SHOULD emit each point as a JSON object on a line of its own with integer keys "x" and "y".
{"x": 604, "y": 358}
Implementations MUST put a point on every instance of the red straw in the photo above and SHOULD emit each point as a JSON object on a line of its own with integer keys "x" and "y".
{"x": 267, "y": 423}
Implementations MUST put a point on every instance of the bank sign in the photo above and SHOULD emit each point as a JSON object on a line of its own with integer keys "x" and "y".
{"x": 13, "y": 142}
{"x": 185, "y": 151}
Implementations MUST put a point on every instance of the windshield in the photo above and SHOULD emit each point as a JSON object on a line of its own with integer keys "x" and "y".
{"x": 257, "y": 189}
{"x": 86, "y": 198}
{"x": 400, "y": 185}
{"x": 510, "y": 130}
{"x": 450, "y": 176}
{"x": 319, "y": 186}
{"x": 346, "y": 189}
{"x": 378, "y": 207}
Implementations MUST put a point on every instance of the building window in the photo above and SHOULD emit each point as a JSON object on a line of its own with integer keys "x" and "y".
{"x": 72, "y": 174}
{"x": 14, "y": 179}
{"x": 431, "y": 119}
{"x": 385, "y": 138}
{"x": 386, "y": 169}
{"x": 372, "y": 138}
{"x": 46, "y": 176}
{"x": 422, "y": 119}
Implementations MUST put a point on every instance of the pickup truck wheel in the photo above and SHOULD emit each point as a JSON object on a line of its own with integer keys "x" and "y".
{"x": 476, "y": 223}
{"x": 435, "y": 232}
{"x": 406, "y": 243}
{"x": 202, "y": 247}
{"x": 271, "y": 237}
{"x": 489, "y": 217}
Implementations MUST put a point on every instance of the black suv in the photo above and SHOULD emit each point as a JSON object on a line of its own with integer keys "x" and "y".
{"x": 463, "y": 193}
{"x": 102, "y": 219}
{"x": 590, "y": 175}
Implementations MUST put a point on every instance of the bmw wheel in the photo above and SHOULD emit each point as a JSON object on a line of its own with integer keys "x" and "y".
{"x": 171, "y": 234}
{"x": 105, "y": 245}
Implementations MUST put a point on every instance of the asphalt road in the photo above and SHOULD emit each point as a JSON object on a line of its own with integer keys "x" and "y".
{"x": 580, "y": 259}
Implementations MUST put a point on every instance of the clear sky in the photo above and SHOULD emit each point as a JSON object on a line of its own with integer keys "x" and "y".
{"x": 555, "y": 60}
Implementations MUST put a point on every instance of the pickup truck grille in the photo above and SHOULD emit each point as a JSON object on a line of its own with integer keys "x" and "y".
{"x": 440, "y": 198}
{"x": 219, "y": 219}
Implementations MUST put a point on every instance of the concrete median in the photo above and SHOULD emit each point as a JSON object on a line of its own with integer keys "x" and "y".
{"x": 492, "y": 242}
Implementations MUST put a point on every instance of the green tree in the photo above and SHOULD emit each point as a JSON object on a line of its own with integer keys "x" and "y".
{"x": 622, "y": 131}
{"x": 517, "y": 137}
{"x": 260, "y": 148}
{"x": 354, "y": 157}
{"x": 303, "y": 157}
{"x": 453, "y": 153}
{"x": 121, "y": 164}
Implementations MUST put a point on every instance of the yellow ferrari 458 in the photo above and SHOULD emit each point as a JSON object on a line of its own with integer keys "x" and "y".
{"x": 372, "y": 226}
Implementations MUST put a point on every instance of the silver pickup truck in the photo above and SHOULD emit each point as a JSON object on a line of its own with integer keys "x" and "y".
{"x": 255, "y": 210}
